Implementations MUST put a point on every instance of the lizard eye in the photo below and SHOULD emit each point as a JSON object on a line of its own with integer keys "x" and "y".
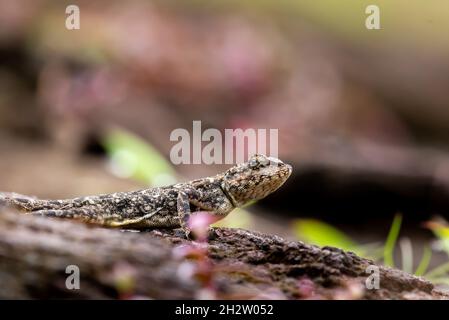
{"x": 253, "y": 163}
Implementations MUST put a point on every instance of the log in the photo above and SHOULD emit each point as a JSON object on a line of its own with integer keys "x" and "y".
{"x": 161, "y": 264}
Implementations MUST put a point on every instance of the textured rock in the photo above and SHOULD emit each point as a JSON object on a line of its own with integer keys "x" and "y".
{"x": 162, "y": 264}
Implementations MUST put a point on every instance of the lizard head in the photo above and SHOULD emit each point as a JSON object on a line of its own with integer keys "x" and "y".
{"x": 255, "y": 179}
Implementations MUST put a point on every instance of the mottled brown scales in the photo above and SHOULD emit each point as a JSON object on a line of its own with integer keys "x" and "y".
{"x": 167, "y": 207}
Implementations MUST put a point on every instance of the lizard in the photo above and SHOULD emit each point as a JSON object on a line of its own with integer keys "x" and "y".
{"x": 170, "y": 206}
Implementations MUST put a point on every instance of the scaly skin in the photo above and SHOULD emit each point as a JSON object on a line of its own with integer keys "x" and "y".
{"x": 167, "y": 207}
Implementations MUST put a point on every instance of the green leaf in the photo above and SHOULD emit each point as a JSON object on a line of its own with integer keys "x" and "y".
{"x": 391, "y": 240}
{"x": 438, "y": 271}
{"x": 322, "y": 234}
{"x": 407, "y": 254}
{"x": 441, "y": 231}
{"x": 132, "y": 157}
{"x": 442, "y": 280}
{"x": 239, "y": 218}
{"x": 424, "y": 263}
{"x": 373, "y": 251}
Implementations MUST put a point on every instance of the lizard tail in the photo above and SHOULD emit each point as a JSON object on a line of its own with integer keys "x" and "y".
{"x": 27, "y": 203}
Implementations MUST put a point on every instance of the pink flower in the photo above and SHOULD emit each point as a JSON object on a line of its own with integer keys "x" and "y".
{"x": 199, "y": 223}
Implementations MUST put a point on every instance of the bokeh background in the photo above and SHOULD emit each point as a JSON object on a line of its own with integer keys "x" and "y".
{"x": 363, "y": 115}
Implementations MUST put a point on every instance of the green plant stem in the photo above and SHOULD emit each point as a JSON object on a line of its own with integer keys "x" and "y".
{"x": 424, "y": 263}
{"x": 442, "y": 269}
{"x": 391, "y": 240}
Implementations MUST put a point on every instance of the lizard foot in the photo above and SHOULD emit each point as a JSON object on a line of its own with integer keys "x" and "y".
{"x": 211, "y": 234}
{"x": 184, "y": 233}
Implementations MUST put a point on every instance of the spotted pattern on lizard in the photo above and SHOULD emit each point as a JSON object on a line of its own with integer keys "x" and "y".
{"x": 170, "y": 206}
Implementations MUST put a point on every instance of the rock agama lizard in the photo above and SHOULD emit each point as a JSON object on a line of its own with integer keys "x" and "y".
{"x": 170, "y": 206}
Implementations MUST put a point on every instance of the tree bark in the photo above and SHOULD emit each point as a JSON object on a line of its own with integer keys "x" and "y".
{"x": 161, "y": 264}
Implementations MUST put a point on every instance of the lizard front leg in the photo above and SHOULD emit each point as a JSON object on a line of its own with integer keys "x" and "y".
{"x": 213, "y": 201}
{"x": 183, "y": 207}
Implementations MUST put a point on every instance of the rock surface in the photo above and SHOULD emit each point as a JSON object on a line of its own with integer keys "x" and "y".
{"x": 161, "y": 264}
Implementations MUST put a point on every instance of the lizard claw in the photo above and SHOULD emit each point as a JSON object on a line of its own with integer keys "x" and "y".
{"x": 188, "y": 234}
{"x": 184, "y": 233}
{"x": 211, "y": 234}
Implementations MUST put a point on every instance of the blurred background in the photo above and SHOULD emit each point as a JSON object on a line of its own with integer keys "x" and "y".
{"x": 363, "y": 115}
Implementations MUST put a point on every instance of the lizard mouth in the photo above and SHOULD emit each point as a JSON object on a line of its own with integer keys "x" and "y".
{"x": 289, "y": 168}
